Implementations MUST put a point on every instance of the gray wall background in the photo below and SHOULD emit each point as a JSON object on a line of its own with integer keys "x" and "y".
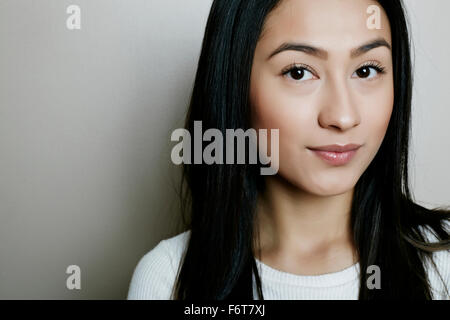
{"x": 85, "y": 123}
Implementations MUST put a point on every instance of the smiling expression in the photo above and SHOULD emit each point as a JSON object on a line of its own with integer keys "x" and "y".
{"x": 322, "y": 77}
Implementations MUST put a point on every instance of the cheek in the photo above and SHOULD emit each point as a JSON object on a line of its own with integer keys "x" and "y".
{"x": 376, "y": 115}
{"x": 375, "y": 108}
{"x": 274, "y": 108}
{"x": 296, "y": 117}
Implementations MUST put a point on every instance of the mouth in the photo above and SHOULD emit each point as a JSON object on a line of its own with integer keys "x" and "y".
{"x": 336, "y": 155}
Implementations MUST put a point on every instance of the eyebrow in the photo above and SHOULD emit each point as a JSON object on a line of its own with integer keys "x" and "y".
{"x": 323, "y": 54}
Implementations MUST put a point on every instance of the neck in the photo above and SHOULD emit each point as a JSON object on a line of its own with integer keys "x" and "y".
{"x": 294, "y": 223}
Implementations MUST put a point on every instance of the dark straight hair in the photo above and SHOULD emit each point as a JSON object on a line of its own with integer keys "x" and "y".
{"x": 219, "y": 200}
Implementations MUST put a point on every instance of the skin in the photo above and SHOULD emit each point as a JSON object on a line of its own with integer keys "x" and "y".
{"x": 303, "y": 217}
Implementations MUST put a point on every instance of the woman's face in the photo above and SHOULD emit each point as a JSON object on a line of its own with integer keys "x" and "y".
{"x": 336, "y": 88}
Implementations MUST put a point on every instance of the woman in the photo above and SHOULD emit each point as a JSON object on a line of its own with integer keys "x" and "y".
{"x": 335, "y": 222}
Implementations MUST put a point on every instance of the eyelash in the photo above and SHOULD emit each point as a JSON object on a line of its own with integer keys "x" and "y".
{"x": 375, "y": 65}
{"x": 296, "y": 66}
{"x": 372, "y": 64}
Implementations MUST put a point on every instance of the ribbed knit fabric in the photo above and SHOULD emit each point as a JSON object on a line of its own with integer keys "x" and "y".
{"x": 155, "y": 274}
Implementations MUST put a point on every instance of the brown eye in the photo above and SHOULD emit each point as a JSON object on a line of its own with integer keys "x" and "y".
{"x": 369, "y": 71}
{"x": 363, "y": 72}
{"x": 297, "y": 74}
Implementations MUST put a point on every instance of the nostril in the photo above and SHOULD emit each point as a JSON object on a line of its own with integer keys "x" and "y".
{"x": 335, "y": 127}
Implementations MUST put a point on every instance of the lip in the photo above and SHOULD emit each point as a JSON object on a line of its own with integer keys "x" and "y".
{"x": 335, "y": 154}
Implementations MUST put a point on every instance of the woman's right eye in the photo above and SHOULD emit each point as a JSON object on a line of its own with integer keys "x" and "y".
{"x": 299, "y": 74}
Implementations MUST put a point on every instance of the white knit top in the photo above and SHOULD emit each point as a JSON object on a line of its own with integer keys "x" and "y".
{"x": 155, "y": 274}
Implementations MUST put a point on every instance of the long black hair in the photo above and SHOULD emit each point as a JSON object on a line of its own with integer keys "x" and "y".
{"x": 219, "y": 200}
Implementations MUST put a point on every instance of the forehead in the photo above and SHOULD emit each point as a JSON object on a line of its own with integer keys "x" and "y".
{"x": 331, "y": 24}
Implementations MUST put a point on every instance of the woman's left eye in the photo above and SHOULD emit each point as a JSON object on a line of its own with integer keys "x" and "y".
{"x": 368, "y": 72}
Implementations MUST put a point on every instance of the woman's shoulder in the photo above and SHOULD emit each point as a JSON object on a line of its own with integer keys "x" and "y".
{"x": 155, "y": 274}
{"x": 439, "y": 273}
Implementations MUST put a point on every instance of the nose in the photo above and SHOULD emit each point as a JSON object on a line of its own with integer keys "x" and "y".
{"x": 338, "y": 111}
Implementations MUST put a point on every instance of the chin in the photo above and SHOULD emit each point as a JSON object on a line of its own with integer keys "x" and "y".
{"x": 329, "y": 189}
{"x": 324, "y": 188}
{"x": 333, "y": 192}
{"x": 320, "y": 183}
